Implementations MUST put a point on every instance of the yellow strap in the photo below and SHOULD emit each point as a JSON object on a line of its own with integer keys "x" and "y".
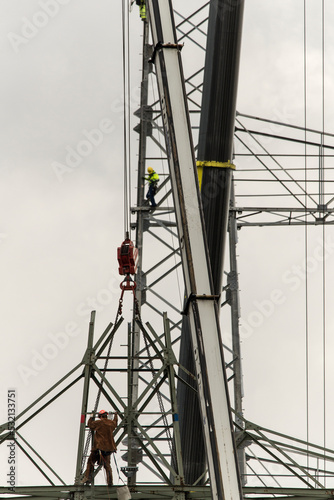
{"x": 220, "y": 164}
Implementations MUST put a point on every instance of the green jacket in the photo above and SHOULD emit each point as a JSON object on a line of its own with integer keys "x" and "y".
{"x": 153, "y": 177}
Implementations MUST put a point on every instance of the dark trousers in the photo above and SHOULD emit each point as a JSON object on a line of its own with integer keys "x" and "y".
{"x": 101, "y": 457}
{"x": 152, "y": 189}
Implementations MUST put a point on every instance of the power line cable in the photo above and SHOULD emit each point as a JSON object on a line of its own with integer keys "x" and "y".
{"x": 306, "y": 238}
{"x": 322, "y": 180}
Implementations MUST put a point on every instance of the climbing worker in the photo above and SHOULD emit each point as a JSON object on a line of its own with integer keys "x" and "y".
{"x": 103, "y": 445}
{"x": 142, "y": 9}
{"x": 153, "y": 180}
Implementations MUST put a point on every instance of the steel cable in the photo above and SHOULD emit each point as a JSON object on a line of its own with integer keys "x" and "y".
{"x": 126, "y": 114}
{"x": 306, "y": 240}
{"x": 322, "y": 201}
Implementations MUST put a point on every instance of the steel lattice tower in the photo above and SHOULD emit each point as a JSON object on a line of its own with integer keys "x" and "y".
{"x": 152, "y": 354}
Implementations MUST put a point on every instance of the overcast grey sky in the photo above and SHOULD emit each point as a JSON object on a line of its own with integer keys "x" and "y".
{"x": 62, "y": 201}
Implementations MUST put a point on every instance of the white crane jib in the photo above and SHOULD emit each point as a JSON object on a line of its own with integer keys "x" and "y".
{"x": 202, "y": 304}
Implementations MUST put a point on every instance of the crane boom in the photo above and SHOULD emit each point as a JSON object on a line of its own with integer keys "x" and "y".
{"x": 202, "y": 303}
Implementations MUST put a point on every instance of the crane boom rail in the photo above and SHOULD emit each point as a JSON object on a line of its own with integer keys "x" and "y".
{"x": 203, "y": 313}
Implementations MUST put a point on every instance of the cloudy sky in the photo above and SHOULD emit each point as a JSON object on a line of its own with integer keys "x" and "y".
{"x": 62, "y": 203}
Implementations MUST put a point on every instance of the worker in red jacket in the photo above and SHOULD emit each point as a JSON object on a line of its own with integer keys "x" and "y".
{"x": 103, "y": 446}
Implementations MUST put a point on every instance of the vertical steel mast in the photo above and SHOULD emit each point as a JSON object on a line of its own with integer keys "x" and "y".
{"x": 201, "y": 306}
{"x": 215, "y": 146}
{"x": 140, "y": 294}
{"x": 215, "y": 167}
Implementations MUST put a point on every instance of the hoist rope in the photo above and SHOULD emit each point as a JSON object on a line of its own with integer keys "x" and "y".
{"x": 126, "y": 115}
